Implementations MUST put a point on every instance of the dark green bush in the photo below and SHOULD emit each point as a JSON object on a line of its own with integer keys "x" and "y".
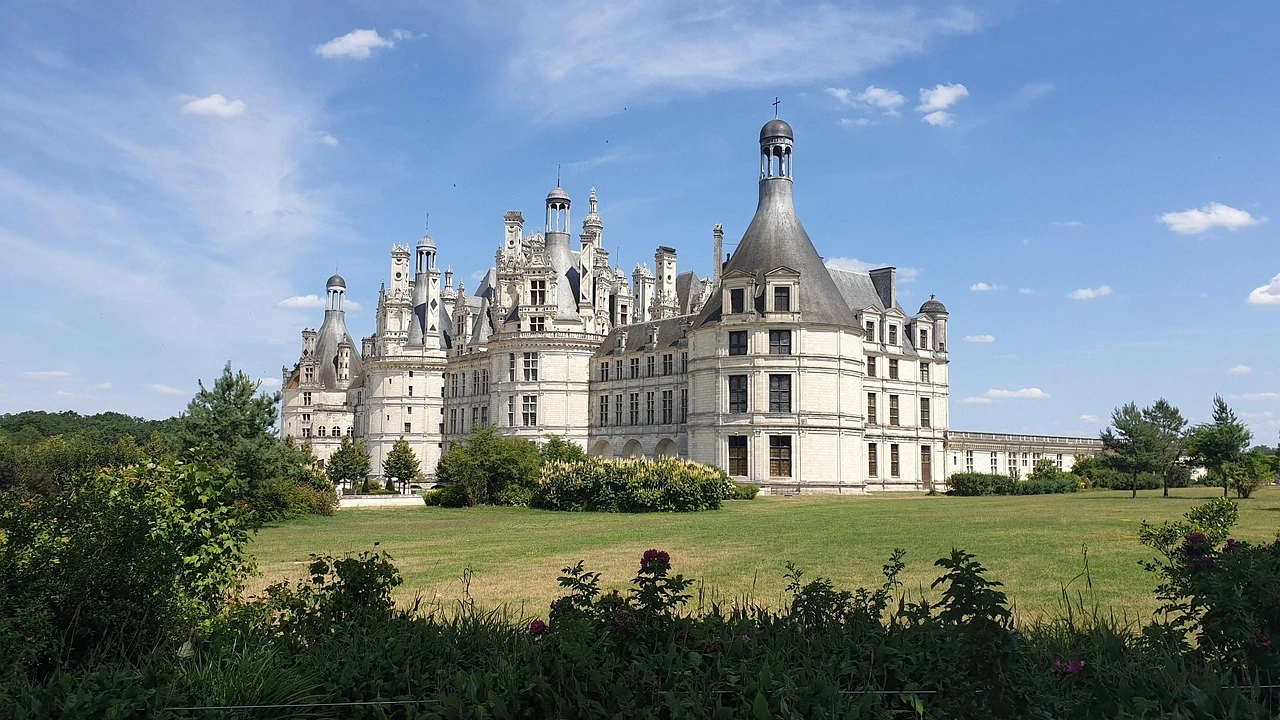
{"x": 744, "y": 491}
{"x": 971, "y": 484}
{"x": 490, "y": 469}
{"x": 632, "y": 485}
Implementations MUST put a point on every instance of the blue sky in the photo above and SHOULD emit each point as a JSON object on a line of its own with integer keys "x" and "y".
{"x": 1091, "y": 188}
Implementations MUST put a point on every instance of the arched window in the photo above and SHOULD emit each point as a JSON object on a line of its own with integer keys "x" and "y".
{"x": 320, "y": 431}
{"x": 337, "y": 431}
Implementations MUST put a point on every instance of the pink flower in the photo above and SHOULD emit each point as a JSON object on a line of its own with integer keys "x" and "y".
{"x": 1067, "y": 669}
{"x": 1260, "y": 638}
{"x": 746, "y": 638}
{"x": 537, "y": 627}
{"x": 1231, "y": 545}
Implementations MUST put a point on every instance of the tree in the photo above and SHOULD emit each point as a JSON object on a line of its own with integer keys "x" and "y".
{"x": 1134, "y": 447}
{"x": 491, "y": 468}
{"x": 1254, "y": 469}
{"x": 401, "y": 465}
{"x": 1218, "y": 447}
{"x": 557, "y": 449}
{"x": 1170, "y": 433}
{"x": 349, "y": 464}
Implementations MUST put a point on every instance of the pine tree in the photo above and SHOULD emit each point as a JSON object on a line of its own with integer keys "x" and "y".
{"x": 1170, "y": 430}
{"x": 401, "y": 466}
{"x": 1219, "y": 446}
{"x": 1135, "y": 445}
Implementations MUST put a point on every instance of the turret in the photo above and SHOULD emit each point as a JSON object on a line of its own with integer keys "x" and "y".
{"x": 717, "y": 245}
{"x": 642, "y": 282}
{"x": 665, "y": 304}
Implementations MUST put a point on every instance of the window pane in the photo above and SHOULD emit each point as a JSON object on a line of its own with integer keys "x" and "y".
{"x": 737, "y": 393}
{"x": 780, "y": 455}
{"x": 738, "y": 342}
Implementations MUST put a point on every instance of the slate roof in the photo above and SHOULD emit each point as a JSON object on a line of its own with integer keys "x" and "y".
{"x": 671, "y": 334}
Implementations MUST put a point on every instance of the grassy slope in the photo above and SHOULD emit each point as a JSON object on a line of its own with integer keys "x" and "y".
{"x": 1032, "y": 544}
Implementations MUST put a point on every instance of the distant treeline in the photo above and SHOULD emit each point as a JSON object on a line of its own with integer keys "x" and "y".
{"x": 106, "y": 428}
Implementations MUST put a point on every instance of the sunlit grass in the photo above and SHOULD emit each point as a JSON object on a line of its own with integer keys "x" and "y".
{"x": 512, "y": 556}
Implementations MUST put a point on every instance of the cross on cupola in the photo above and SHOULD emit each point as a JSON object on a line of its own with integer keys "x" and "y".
{"x": 776, "y": 103}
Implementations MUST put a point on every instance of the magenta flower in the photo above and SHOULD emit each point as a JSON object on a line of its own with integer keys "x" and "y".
{"x": 1067, "y": 669}
{"x": 746, "y": 638}
{"x": 652, "y": 556}
{"x": 1260, "y": 638}
{"x": 1231, "y": 545}
{"x": 537, "y": 627}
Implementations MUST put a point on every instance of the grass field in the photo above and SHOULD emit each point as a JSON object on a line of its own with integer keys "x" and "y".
{"x": 512, "y": 556}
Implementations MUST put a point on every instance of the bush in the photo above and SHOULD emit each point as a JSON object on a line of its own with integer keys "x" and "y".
{"x": 632, "y": 485}
{"x": 974, "y": 484}
{"x": 491, "y": 469}
{"x": 971, "y": 484}
{"x": 744, "y": 491}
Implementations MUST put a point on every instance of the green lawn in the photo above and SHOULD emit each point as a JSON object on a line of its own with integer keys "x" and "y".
{"x": 513, "y": 555}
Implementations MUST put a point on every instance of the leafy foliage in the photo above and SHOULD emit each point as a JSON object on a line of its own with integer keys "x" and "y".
{"x": 1133, "y": 444}
{"x": 1219, "y": 446}
{"x": 1047, "y": 480}
{"x": 744, "y": 491}
{"x": 488, "y": 468}
{"x": 349, "y": 464}
{"x": 557, "y": 449}
{"x": 632, "y": 485}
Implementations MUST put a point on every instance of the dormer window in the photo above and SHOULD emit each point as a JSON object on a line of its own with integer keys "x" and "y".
{"x": 871, "y": 330}
{"x": 538, "y": 292}
{"x": 537, "y": 323}
{"x": 309, "y": 374}
{"x": 924, "y": 339}
{"x": 893, "y": 335}
{"x": 737, "y": 300}
{"x": 782, "y": 298}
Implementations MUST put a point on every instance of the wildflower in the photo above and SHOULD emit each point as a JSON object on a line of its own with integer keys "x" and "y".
{"x": 1073, "y": 667}
{"x": 1204, "y": 562}
{"x": 1260, "y": 638}
{"x": 652, "y": 556}
{"x": 746, "y": 638}
{"x": 1231, "y": 545}
{"x": 537, "y": 627}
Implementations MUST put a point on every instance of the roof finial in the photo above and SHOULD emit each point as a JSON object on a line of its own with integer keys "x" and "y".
{"x": 558, "y": 167}
{"x": 776, "y": 103}
{"x": 426, "y": 225}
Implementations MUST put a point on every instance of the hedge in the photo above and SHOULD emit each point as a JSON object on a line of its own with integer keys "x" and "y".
{"x": 971, "y": 484}
{"x": 631, "y": 485}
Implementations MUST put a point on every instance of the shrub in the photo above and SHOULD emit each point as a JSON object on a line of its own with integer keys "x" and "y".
{"x": 744, "y": 491}
{"x": 486, "y": 465}
{"x": 632, "y": 485}
{"x": 970, "y": 484}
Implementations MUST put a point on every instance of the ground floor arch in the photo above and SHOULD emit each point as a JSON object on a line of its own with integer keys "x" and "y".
{"x": 601, "y": 449}
{"x": 666, "y": 447}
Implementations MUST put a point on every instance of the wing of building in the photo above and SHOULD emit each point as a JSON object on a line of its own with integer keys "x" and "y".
{"x": 788, "y": 373}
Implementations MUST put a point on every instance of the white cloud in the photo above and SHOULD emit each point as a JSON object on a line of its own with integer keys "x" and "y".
{"x": 1068, "y": 223}
{"x": 328, "y": 139}
{"x": 302, "y": 301}
{"x": 277, "y": 341}
{"x": 164, "y": 389}
{"x": 103, "y": 386}
{"x": 1089, "y": 418}
{"x": 855, "y": 122}
{"x": 842, "y": 95}
{"x": 1213, "y": 215}
{"x": 64, "y": 394}
{"x": 1257, "y": 396}
{"x": 980, "y": 338}
{"x": 46, "y": 374}
{"x": 974, "y": 400}
{"x": 941, "y": 97}
{"x": 357, "y": 45}
{"x": 216, "y": 105}
{"x": 938, "y": 118}
{"x": 1010, "y": 356}
{"x": 1026, "y": 291}
{"x": 1240, "y": 370}
{"x": 609, "y": 56}
{"x": 983, "y": 287}
{"x": 882, "y": 98}
{"x": 1023, "y": 394}
{"x": 905, "y": 274}
{"x": 268, "y": 383}
{"x": 1090, "y": 293}
{"x": 1268, "y": 294}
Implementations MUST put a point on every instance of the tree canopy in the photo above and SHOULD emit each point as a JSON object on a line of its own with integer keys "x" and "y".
{"x": 401, "y": 466}
{"x": 1219, "y": 446}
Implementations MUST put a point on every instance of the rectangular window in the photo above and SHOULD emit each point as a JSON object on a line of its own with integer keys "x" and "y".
{"x": 893, "y": 369}
{"x": 872, "y": 362}
{"x": 531, "y": 367}
{"x": 893, "y": 461}
{"x": 484, "y": 415}
{"x": 968, "y": 461}
{"x": 667, "y": 409}
{"x": 649, "y": 409}
{"x": 926, "y": 464}
{"x": 1059, "y": 461}
{"x": 780, "y": 393}
{"x": 737, "y": 393}
{"x": 475, "y": 417}
{"x": 649, "y": 363}
{"x": 453, "y": 384}
{"x": 604, "y": 410}
{"x": 453, "y": 420}
{"x": 737, "y": 300}
{"x": 668, "y": 361}
{"x": 511, "y": 367}
{"x": 408, "y": 428}
{"x": 738, "y": 342}
{"x": 306, "y": 417}
{"x": 893, "y": 335}
{"x": 924, "y": 372}
{"x": 779, "y": 342}
{"x": 617, "y": 410}
{"x": 511, "y": 410}
{"x": 782, "y": 299}
{"x": 537, "y": 292}
{"x": 308, "y": 374}
{"x": 635, "y": 408}
{"x": 873, "y": 413}
{"x": 995, "y": 463}
{"x": 873, "y": 460}
{"x": 475, "y": 383}
{"x": 1024, "y": 459}
{"x": 684, "y": 405}
{"x": 622, "y": 315}
{"x": 871, "y": 331}
{"x": 684, "y": 362}
{"x": 738, "y": 455}
{"x": 306, "y": 398}
{"x": 306, "y": 432}
{"x": 462, "y": 385}
{"x": 926, "y": 419}
{"x": 617, "y": 369}
{"x": 924, "y": 339}
{"x": 529, "y": 411}
{"x": 409, "y": 410}
{"x": 410, "y": 373}
{"x": 635, "y": 368}
{"x": 893, "y": 410}
{"x": 780, "y": 456}
{"x": 484, "y": 382}
{"x": 538, "y": 323}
